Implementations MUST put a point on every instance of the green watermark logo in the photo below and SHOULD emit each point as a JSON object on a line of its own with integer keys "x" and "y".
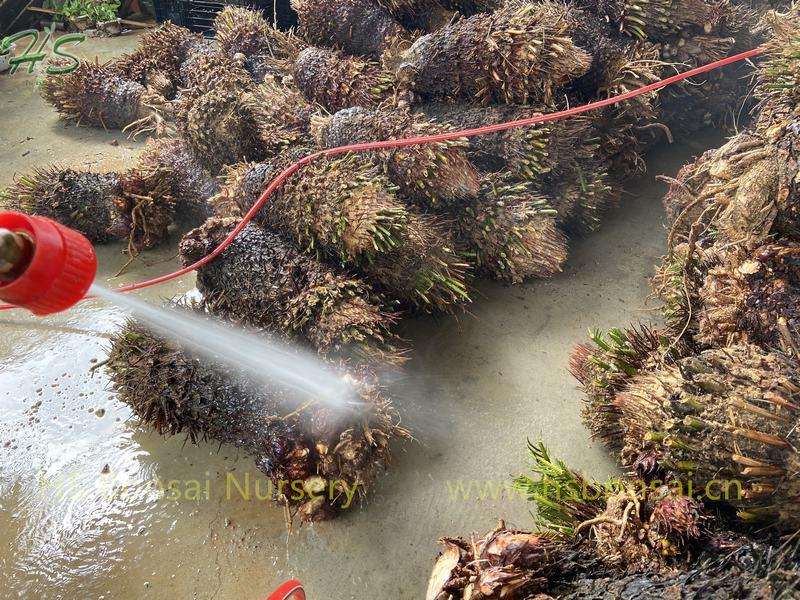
{"x": 37, "y": 50}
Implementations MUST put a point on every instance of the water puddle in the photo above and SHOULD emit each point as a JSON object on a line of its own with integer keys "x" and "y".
{"x": 93, "y": 506}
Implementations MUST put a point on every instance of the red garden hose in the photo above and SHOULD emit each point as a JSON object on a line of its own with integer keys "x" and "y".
{"x": 428, "y": 140}
{"x": 291, "y": 590}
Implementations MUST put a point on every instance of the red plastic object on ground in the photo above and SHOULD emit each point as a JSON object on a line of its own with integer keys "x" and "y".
{"x": 59, "y": 270}
{"x": 291, "y": 590}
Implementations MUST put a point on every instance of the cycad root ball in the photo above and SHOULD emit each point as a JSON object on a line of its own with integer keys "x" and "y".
{"x": 146, "y": 208}
{"x": 752, "y": 297}
{"x": 191, "y": 184}
{"x": 520, "y": 54}
{"x": 433, "y": 175}
{"x": 263, "y": 281}
{"x": 336, "y": 81}
{"x": 320, "y": 462}
{"x": 136, "y": 205}
{"x": 504, "y": 563}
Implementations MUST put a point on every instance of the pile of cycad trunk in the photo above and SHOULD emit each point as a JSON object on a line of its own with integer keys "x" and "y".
{"x": 350, "y": 242}
{"x": 702, "y": 412}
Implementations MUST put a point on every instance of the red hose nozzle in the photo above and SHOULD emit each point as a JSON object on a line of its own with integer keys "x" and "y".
{"x": 44, "y": 266}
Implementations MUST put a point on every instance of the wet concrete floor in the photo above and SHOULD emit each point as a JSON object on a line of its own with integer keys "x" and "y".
{"x": 81, "y": 512}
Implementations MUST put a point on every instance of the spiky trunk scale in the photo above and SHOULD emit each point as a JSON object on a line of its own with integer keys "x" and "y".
{"x": 267, "y": 50}
{"x": 677, "y": 282}
{"x": 191, "y": 184}
{"x": 727, "y": 415}
{"x": 712, "y": 99}
{"x": 198, "y": 53}
{"x": 336, "y": 81}
{"x": 356, "y": 221}
{"x": 359, "y": 27}
{"x": 263, "y": 281}
{"x": 94, "y": 95}
{"x": 536, "y": 150}
{"x": 520, "y": 54}
{"x": 80, "y": 200}
{"x": 162, "y": 50}
{"x": 510, "y": 232}
{"x": 433, "y": 175}
{"x": 219, "y": 114}
{"x": 212, "y": 72}
{"x": 175, "y": 392}
{"x": 284, "y": 117}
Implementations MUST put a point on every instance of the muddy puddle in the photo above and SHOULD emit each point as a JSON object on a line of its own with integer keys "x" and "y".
{"x": 92, "y": 506}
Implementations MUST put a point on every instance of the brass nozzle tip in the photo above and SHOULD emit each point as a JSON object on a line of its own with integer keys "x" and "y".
{"x": 16, "y": 251}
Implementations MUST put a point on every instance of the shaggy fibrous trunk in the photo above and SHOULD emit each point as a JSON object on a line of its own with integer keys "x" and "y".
{"x": 159, "y": 54}
{"x": 657, "y": 19}
{"x": 426, "y": 15}
{"x": 317, "y": 459}
{"x": 135, "y": 205}
{"x": 336, "y": 81}
{"x": 604, "y": 368}
{"x": 471, "y": 7}
{"x": 433, "y": 175}
{"x": 344, "y": 209}
{"x": 80, "y": 200}
{"x": 263, "y": 281}
{"x": 725, "y": 416}
{"x": 510, "y": 231}
{"x": 218, "y": 114}
{"x": 227, "y": 118}
{"x": 520, "y": 54}
{"x": 266, "y": 49}
{"x": 341, "y": 207}
{"x": 359, "y": 27}
{"x": 582, "y": 195}
{"x": 95, "y": 95}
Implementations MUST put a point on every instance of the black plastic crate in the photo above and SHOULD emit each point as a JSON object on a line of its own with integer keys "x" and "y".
{"x": 198, "y": 15}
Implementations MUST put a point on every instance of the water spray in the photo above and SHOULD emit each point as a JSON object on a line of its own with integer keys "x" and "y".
{"x": 47, "y": 268}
